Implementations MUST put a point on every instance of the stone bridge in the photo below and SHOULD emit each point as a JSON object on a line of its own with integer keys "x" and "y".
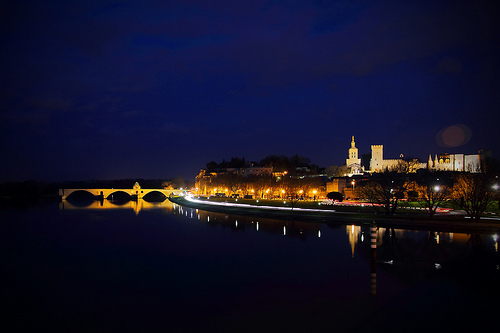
{"x": 103, "y": 193}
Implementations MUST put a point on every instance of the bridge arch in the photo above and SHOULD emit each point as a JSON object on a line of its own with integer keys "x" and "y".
{"x": 154, "y": 196}
{"x": 119, "y": 195}
{"x": 81, "y": 194}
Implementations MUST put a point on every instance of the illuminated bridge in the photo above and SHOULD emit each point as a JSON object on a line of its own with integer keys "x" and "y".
{"x": 104, "y": 193}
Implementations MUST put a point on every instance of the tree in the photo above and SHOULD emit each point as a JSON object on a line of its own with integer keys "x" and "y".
{"x": 168, "y": 185}
{"x": 407, "y": 165}
{"x": 277, "y": 162}
{"x": 260, "y": 183}
{"x": 384, "y": 190}
{"x": 336, "y": 171}
{"x": 473, "y": 192}
{"x": 230, "y": 180}
{"x": 434, "y": 188}
{"x": 211, "y": 166}
{"x": 179, "y": 182}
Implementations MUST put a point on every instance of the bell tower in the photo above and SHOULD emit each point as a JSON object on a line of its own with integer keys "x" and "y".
{"x": 353, "y": 162}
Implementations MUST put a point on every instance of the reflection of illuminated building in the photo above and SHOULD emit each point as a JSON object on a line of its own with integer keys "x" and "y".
{"x": 353, "y": 232}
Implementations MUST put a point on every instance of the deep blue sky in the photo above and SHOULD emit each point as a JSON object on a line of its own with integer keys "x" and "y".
{"x": 153, "y": 89}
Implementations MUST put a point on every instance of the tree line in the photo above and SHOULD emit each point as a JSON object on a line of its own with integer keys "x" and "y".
{"x": 472, "y": 192}
{"x": 279, "y": 163}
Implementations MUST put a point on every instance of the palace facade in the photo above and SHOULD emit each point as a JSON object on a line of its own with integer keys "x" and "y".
{"x": 442, "y": 162}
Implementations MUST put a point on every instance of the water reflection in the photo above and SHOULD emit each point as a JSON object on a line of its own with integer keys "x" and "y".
{"x": 411, "y": 256}
{"x": 136, "y": 205}
{"x": 406, "y": 256}
{"x": 353, "y": 231}
{"x": 242, "y": 223}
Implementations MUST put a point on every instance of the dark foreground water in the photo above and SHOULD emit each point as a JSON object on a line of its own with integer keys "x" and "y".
{"x": 163, "y": 268}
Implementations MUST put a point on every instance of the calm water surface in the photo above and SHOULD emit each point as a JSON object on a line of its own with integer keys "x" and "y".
{"x": 139, "y": 266}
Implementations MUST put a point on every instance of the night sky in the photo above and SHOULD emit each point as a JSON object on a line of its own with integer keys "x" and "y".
{"x": 156, "y": 89}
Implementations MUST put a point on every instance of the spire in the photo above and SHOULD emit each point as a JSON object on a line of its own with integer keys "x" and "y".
{"x": 352, "y": 143}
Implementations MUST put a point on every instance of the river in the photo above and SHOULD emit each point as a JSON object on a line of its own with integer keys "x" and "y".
{"x": 139, "y": 266}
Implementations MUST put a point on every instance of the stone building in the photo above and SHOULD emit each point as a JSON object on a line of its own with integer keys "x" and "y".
{"x": 444, "y": 162}
{"x": 353, "y": 162}
{"x": 377, "y": 162}
{"x": 455, "y": 162}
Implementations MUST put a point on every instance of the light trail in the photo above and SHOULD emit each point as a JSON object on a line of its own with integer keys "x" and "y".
{"x": 192, "y": 199}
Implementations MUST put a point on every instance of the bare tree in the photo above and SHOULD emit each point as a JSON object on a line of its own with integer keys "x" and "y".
{"x": 473, "y": 193}
{"x": 384, "y": 190}
{"x": 434, "y": 188}
{"x": 409, "y": 165}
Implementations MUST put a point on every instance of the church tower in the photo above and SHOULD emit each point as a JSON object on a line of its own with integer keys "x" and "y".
{"x": 353, "y": 162}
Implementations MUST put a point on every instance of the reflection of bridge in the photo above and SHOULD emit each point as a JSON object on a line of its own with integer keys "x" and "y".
{"x": 100, "y": 193}
{"x": 135, "y": 205}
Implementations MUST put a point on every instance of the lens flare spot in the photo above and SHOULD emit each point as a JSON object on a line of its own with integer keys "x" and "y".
{"x": 453, "y": 136}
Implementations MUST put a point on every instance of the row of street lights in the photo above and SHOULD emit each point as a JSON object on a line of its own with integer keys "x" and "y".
{"x": 252, "y": 191}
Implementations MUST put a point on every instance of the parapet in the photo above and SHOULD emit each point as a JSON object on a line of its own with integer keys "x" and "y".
{"x": 377, "y": 147}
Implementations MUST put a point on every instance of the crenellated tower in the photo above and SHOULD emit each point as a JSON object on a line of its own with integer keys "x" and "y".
{"x": 377, "y": 160}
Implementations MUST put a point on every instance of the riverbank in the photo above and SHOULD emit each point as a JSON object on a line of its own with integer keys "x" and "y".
{"x": 330, "y": 215}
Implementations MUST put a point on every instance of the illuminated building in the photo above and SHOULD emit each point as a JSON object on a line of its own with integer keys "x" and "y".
{"x": 353, "y": 162}
{"x": 443, "y": 162}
